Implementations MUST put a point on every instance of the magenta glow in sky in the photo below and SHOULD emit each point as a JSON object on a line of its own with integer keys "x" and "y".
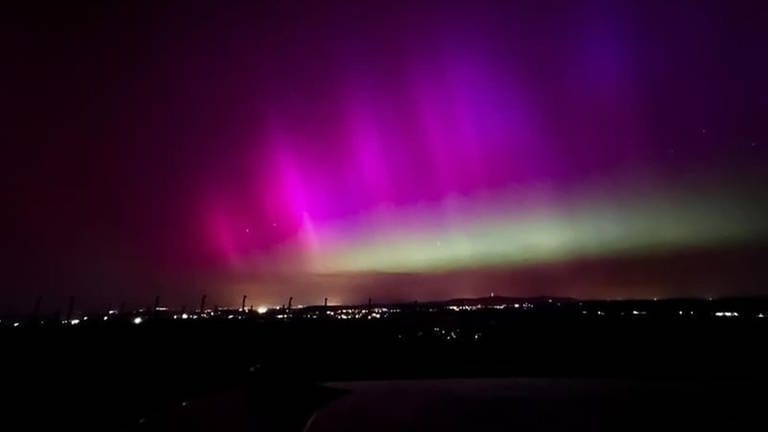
{"x": 456, "y": 130}
{"x": 250, "y": 149}
{"x": 391, "y": 137}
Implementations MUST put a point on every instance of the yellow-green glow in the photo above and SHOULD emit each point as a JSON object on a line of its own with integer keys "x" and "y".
{"x": 424, "y": 239}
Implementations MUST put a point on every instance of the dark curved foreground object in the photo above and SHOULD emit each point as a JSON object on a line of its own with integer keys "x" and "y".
{"x": 539, "y": 404}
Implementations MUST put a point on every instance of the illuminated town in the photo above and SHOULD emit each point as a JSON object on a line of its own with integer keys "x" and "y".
{"x": 541, "y": 307}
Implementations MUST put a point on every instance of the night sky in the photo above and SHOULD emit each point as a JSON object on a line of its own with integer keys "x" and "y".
{"x": 402, "y": 150}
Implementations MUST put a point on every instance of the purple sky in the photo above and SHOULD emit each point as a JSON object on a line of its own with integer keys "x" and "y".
{"x": 186, "y": 148}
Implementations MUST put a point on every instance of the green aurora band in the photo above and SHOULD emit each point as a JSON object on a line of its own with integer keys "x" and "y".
{"x": 490, "y": 232}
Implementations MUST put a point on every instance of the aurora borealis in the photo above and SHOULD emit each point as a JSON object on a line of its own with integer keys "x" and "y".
{"x": 401, "y": 150}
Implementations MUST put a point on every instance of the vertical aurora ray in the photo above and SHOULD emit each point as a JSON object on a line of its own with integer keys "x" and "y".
{"x": 398, "y": 149}
{"x": 471, "y": 148}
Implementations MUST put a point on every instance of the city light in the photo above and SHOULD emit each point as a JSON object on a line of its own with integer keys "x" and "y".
{"x": 726, "y": 314}
{"x": 361, "y": 312}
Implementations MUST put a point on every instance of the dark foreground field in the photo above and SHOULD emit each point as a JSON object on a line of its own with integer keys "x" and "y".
{"x": 582, "y": 372}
